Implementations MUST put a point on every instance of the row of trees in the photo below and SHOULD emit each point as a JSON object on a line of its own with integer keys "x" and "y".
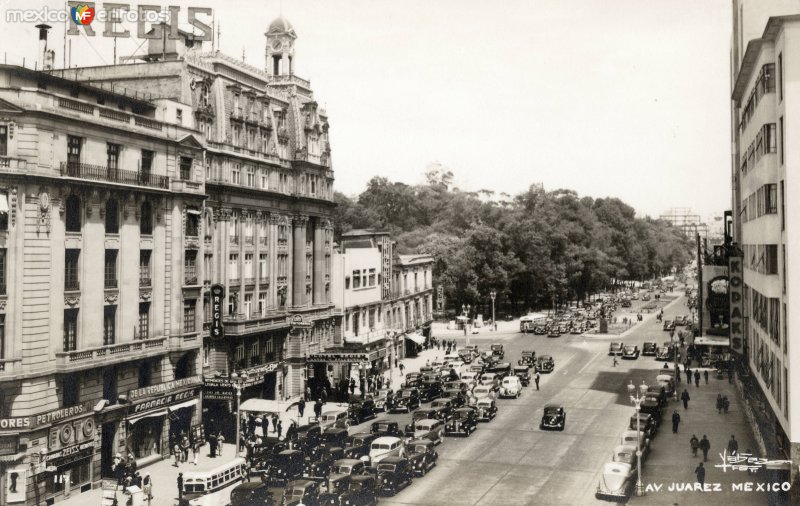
{"x": 535, "y": 249}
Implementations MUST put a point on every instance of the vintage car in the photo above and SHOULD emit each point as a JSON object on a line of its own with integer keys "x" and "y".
{"x": 485, "y": 409}
{"x": 490, "y": 379}
{"x": 357, "y": 445}
{"x": 523, "y": 373}
{"x": 384, "y": 427}
{"x": 334, "y": 418}
{"x": 301, "y": 492}
{"x": 649, "y": 349}
{"x": 667, "y": 382}
{"x": 284, "y": 467}
{"x": 499, "y": 369}
{"x": 247, "y": 494}
{"x": 420, "y": 414}
{"x": 630, "y": 352}
{"x": 577, "y": 328}
{"x": 554, "y": 417}
{"x": 343, "y": 469}
{"x": 412, "y": 380}
{"x": 647, "y": 424}
{"x": 318, "y": 464}
{"x": 380, "y": 398}
{"x": 511, "y": 387}
{"x": 554, "y": 331}
{"x": 497, "y": 351}
{"x": 633, "y": 438}
{"x": 528, "y": 358}
{"x": 455, "y": 396}
{"x": 406, "y": 400}
{"x": 481, "y": 391}
{"x": 545, "y": 363}
{"x": 681, "y": 320}
{"x": 430, "y": 429}
{"x": 470, "y": 378}
{"x": 615, "y": 348}
{"x": 430, "y": 390}
{"x": 653, "y": 405}
{"x": 463, "y": 423}
{"x": 422, "y": 456}
{"x": 360, "y": 410}
{"x": 455, "y": 385}
{"x": 394, "y": 474}
{"x": 669, "y": 325}
{"x": 539, "y": 329}
{"x": 386, "y": 446}
{"x": 307, "y": 436}
{"x": 361, "y": 491}
{"x": 333, "y": 437}
{"x": 665, "y": 353}
{"x": 444, "y": 408}
{"x": 616, "y": 481}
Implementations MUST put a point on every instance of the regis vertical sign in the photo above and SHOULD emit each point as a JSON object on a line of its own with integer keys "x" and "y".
{"x": 217, "y": 300}
{"x": 735, "y": 287}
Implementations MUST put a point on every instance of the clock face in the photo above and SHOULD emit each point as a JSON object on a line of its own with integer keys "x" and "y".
{"x": 276, "y": 44}
{"x": 44, "y": 201}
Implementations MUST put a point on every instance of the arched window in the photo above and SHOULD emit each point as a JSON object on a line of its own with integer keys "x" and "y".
{"x": 146, "y": 222}
{"x": 112, "y": 217}
{"x": 73, "y": 214}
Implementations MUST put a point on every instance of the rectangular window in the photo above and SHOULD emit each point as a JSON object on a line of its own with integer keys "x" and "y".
{"x": 112, "y": 216}
{"x": 2, "y": 340}
{"x": 144, "y": 267}
{"x": 144, "y": 320}
{"x": 74, "y": 146}
{"x": 112, "y": 156}
{"x": 347, "y": 282}
{"x": 255, "y": 354}
{"x": 206, "y": 355}
{"x": 248, "y": 265}
{"x": 771, "y": 198}
{"x": 189, "y": 315}
{"x": 109, "y": 325}
{"x": 783, "y": 207}
{"x": 147, "y": 162}
{"x": 781, "y": 139}
{"x": 262, "y": 303}
{"x": 73, "y": 214}
{"x": 233, "y": 266}
{"x": 771, "y": 258}
{"x": 111, "y": 268}
{"x": 251, "y": 177}
{"x": 372, "y": 318}
{"x": 236, "y": 174}
{"x": 179, "y": 116}
{"x": 372, "y": 277}
{"x": 780, "y": 76}
{"x": 185, "y": 168}
{"x": 71, "y": 277}
{"x": 262, "y": 266}
{"x": 70, "y": 329}
{"x": 356, "y": 279}
{"x": 3, "y": 271}
{"x": 192, "y": 223}
{"x": 783, "y": 265}
{"x": 190, "y": 267}
{"x": 3, "y": 140}
{"x": 71, "y": 391}
{"x": 208, "y": 261}
{"x": 264, "y": 179}
{"x": 248, "y": 304}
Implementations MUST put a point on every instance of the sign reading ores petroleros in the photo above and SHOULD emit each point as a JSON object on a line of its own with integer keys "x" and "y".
{"x": 217, "y": 300}
{"x": 735, "y": 286}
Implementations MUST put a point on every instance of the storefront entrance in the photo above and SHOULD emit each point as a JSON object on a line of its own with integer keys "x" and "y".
{"x": 108, "y": 433}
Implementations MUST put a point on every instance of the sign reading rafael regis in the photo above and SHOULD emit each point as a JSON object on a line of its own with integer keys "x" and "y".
{"x": 163, "y": 388}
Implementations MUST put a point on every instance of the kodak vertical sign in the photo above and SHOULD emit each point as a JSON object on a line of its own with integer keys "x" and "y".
{"x": 735, "y": 288}
{"x": 217, "y": 301}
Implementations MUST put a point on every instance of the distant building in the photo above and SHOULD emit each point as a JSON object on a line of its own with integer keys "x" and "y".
{"x": 765, "y": 64}
{"x": 686, "y": 220}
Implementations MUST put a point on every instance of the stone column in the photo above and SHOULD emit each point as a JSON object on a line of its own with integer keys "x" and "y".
{"x": 318, "y": 279}
{"x": 299, "y": 223}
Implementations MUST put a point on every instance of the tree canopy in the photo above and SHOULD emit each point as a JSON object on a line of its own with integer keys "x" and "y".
{"x": 535, "y": 249}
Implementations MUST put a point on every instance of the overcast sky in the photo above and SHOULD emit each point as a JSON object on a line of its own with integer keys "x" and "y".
{"x": 620, "y": 98}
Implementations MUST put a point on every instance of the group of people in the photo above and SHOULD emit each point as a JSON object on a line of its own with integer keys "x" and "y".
{"x": 705, "y": 445}
{"x": 127, "y": 475}
{"x": 179, "y": 446}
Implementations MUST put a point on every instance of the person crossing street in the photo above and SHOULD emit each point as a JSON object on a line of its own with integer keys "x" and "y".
{"x": 696, "y": 378}
{"x": 705, "y": 446}
{"x": 685, "y": 398}
{"x": 676, "y": 420}
{"x": 536, "y": 379}
{"x": 694, "y": 443}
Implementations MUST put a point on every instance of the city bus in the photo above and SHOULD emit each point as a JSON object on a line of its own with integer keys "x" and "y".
{"x": 213, "y": 488}
{"x": 528, "y": 322}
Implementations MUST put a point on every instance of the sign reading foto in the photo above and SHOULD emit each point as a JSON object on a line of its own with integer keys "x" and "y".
{"x": 735, "y": 287}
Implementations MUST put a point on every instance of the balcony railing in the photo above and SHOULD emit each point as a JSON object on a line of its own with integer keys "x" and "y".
{"x": 249, "y": 281}
{"x": 9, "y": 366}
{"x": 145, "y": 282}
{"x": 72, "y": 285}
{"x": 234, "y": 281}
{"x": 191, "y": 280}
{"x": 7, "y": 162}
{"x": 111, "y": 283}
{"x": 103, "y": 173}
{"x": 249, "y": 239}
{"x": 92, "y": 357}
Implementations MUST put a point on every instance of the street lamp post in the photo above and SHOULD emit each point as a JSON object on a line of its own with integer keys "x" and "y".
{"x": 493, "y": 295}
{"x": 239, "y": 379}
{"x": 675, "y": 356}
{"x": 636, "y": 398}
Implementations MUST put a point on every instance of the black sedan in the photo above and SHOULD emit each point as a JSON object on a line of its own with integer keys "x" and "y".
{"x": 421, "y": 456}
{"x": 545, "y": 363}
{"x": 630, "y": 352}
{"x": 360, "y": 410}
{"x": 647, "y": 424}
{"x": 463, "y": 423}
{"x": 394, "y": 474}
{"x": 649, "y": 349}
{"x": 386, "y": 428}
{"x": 357, "y": 445}
{"x": 554, "y": 417}
{"x": 406, "y": 400}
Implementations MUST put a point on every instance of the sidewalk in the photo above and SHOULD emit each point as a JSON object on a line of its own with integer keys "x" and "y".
{"x": 671, "y": 460}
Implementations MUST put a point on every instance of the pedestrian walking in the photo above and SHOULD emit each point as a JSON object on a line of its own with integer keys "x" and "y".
{"x": 676, "y": 420}
{"x": 212, "y": 445}
{"x": 177, "y": 452}
{"x": 725, "y": 404}
{"x": 733, "y": 445}
{"x": 220, "y": 440}
{"x": 696, "y": 378}
{"x": 694, "y": 443}
{"x": 402, "y": 367}
{"x": 685, "y": 398}
{"x": 352, "y": 386}
{"x": 147, "y": 486}
{"x": 688, "y": 375}
{"x": 705, "y": 375}
{"x": 265, "y": 425}
{"x": 180, "y": 486}
{"x": 700, "y": 471}
{"x": 308, "y": 393}
{"x": 614, "y": 363}
{"x": 279, "y": 428}
{"x": 301, "y": 406}
{"x": 730, "y": 374}
{"x": 719, "y": 404}
{"x": 185, "y": 448}
{"x": 705, "y": 446}
{"x": 536, "y": 379}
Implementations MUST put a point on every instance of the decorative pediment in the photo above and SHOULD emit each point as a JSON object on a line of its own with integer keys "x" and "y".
{"x": 190, "y": 141}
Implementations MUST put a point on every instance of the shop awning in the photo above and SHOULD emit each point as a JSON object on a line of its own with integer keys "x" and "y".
{"x": 3, "y": 203}
{"x": 160, "y": 412}
{"x": 186, "y": 404}
{"x": 12, "y": 458}
{"x": 417, "y": 338}
{"x": 712, "y": 341}
{"x": 264, "y": 406}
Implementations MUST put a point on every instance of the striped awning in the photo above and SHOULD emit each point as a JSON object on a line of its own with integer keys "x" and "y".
{"x": 13, "y": 457}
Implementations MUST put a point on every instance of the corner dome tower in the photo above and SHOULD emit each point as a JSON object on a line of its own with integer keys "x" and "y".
{"x": 280, "y": 47}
